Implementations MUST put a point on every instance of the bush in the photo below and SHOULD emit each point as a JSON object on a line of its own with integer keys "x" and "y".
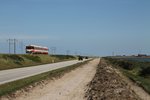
{"x": 61, "y": 57}
{"x": 145, "y": 71}
{"x": 126, "y": 65}
{"x": 15, "y": 58}
{"x": 33, "y": 58}
{"x": 121, "y": 63}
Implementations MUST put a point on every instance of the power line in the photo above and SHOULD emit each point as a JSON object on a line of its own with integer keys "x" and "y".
{"x": 14, "y": 46}
{"x": 10, "y": 42}
{"x": 53, "y": 50}
{"x": 21, "y": 46}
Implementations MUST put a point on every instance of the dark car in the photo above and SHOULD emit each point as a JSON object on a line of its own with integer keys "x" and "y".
{"x": 80, "y": 58}
{"x": 86, "y": 58}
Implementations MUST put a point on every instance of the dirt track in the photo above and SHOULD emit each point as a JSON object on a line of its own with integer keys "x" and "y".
{"x": 70, "y": 87}
{"x": 108, "y": 85}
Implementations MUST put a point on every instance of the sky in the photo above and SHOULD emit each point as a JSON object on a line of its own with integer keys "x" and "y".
{"x": 86, "y": 27}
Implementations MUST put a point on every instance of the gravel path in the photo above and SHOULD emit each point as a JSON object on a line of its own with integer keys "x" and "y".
{"x": 108, "y": 85}
{"x": 70, "y": 87}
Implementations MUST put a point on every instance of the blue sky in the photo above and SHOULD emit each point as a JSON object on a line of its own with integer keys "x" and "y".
{"x": 93, "y": 27}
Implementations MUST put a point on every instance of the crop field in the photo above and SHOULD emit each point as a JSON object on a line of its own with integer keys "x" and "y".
{"x": 138, "y": 70}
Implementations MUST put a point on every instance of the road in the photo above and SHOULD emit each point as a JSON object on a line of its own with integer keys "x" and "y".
{"x": 71, "y": 86}
{"x": 19, "y": 73}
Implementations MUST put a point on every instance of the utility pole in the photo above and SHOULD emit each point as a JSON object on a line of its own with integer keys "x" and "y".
{"x": 14, "y": 46}
{"x": 10, "y": 41}
{"x": 140, "y": 51}
{"x": 67, "y": 52}
{"x": 53, "y": 50}
{"x": 113, "y": 54}
{"x": 21, "y": 46}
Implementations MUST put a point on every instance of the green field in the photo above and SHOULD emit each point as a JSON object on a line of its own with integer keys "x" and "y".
{"x": 17, "y": 61}
{"x": 137, "y": 71}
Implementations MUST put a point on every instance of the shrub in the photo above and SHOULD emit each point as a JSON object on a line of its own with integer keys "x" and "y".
{"x": 145, "y": 71}
{"x": 15, "y": 58}
{"x": 126, "y": 65}
{"x": 61, "y": 57}
{"x": 121, "y": 63}
{"x": 33, "y": 58}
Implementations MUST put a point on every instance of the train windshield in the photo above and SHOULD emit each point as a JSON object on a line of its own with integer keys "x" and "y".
{"x": 29, "y": 47}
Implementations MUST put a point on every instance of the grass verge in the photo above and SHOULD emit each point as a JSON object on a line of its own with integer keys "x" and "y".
{"x": 141, "y": 81}
{"x": 10, "y": 61}
{"x": 11, "y": 87}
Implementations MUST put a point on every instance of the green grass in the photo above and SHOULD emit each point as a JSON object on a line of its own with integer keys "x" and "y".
{"x": 11, "y": 87}
{"x": 141, "y": 81}
{"x": 17, "y": 61}
{"x": 135, "y": 73}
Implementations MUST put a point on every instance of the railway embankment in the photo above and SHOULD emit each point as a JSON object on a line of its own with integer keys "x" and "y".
{"x": 136, "y": 71}
{"x": 109, "y": 85}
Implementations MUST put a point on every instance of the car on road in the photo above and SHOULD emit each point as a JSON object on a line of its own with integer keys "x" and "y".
{"x": 80, "y": 58}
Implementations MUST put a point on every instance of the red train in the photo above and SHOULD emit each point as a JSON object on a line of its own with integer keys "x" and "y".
{"x": 34, "y": 49}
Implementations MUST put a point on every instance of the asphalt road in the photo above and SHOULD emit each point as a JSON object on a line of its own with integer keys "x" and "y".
{"x": 19, "y": 73}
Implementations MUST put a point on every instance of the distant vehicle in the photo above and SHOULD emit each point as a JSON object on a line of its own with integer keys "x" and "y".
{"x": 34, "y": 49}
{"x": 86, "y": 58}
{"x": 80, "y": 58}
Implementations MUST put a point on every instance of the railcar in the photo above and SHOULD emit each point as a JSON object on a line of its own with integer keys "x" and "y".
{"x": 35, "y": 49}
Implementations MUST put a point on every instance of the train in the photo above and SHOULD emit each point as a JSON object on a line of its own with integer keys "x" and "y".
{"x": 35, "y": 49}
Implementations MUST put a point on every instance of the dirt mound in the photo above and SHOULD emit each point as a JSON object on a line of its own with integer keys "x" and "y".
{"x": 108, "y": 85}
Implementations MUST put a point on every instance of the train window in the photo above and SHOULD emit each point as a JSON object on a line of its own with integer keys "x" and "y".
{"x": 29, "y": 47}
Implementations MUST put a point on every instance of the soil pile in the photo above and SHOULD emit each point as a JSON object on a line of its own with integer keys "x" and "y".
{"x": 108, "y": 85}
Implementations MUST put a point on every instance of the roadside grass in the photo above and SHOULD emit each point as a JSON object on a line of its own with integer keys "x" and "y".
{"x": 10, "y": 61}
{"x": 135, "y": 73}
{"x": 143, "y": 82}
{"x": 8, "y": 88}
